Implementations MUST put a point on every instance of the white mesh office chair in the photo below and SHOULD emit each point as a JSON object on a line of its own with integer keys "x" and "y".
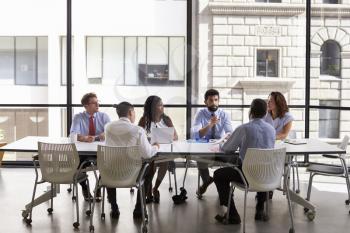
{"x": 294, "y": 165}
{"x": 120, "y": 167}
{"x": 58, "y": 165}
{"x": 262, "y": 172}
{"x": 330, "y": 170}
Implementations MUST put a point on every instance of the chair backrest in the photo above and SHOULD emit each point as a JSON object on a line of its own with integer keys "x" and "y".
{"x": 119, "y": 166}
{"x": 263, "y": 168}
{"x": 58, "y": 162}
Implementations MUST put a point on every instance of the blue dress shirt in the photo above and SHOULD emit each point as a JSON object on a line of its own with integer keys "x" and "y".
{"x": 80, "y": 124}
{"x": 202, "y": 119}
{"x": 254, "y": 134}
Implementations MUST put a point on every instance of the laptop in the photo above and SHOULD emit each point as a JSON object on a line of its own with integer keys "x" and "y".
{"x": 162, "y": 135}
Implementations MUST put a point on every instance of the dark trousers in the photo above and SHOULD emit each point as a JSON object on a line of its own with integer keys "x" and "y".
{"x": 82, "y": 159}
{"x": 111, "y": 192}
{"x": 222, "y": 179}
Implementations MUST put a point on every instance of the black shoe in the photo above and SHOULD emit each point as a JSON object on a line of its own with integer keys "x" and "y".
{"x": 203, "y": 188}
{"x": 235, "y": 219}
{"x": 156, "y": 196}
{"x": 115, "y": 213}
{"x": 87, "y": 195}
{"x": 259, "y": 213}
{"x": 98, "y": 195}
{"x": 149, "y": 200}
{"x": 137, "y": 212}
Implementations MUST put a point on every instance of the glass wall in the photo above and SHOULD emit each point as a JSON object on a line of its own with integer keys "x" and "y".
{"x": 242, "y": 53}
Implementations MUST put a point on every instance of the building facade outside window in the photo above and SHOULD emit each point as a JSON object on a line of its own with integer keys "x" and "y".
{"x": 23, "y": 60}
{"x": 136, "y": 60}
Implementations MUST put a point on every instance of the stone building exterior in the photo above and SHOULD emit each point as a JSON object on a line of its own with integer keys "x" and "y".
{"x": 252, "y": 48}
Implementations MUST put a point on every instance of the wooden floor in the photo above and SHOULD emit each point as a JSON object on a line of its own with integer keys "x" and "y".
{"x": 194, "y": 216}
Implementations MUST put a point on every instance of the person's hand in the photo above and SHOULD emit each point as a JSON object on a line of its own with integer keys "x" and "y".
{"x": 102, "y": 136}
{"x": 156, "y": 144}
{"x": 213, "y": 121}
{"x": 89, "y": 138}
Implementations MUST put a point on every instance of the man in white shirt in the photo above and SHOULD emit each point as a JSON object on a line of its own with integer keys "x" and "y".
{"x": 124, "y": 133}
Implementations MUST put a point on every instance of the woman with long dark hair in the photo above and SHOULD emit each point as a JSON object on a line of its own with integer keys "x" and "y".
{"x": 278, "y": 115}
{"x": 154, "y": 117}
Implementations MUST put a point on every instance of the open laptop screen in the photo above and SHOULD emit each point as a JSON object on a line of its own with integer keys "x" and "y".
{"x": 162, "y": 135}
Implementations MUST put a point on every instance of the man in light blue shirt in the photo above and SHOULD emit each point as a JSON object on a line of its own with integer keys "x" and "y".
{"x": 255, "y": 134}
{"x": 82, "y": 121}
{"x": 210, "y": 123}
{"x": 89, "y": 126}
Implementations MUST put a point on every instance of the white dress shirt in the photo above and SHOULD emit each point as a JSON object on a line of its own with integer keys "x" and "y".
{"x": 124, "y": 133}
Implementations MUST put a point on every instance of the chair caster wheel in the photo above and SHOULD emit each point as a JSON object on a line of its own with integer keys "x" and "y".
{"x": 311, "y": 215}
{"x": 297, "y": 191}
{"x": 347, "y": 202}
{"x": 28, "y": 221}
{"x": 76, "y": 225}
{"x": 24, "y": 214}
{"x": 69, "y": 190}
{"x": 306, "y": 210}
{"x": 170, "y": 189}
{"x": 199, "y": 196}
{"x": 103, "y": 216}
{"x": 49, "y": 210}
{"x": 132, "y": 190}
{"x": 92, "y": 228}
{"x": 291, "y": 230}
{"x": 74, "y": 198}
{"x": 88, "y": 212}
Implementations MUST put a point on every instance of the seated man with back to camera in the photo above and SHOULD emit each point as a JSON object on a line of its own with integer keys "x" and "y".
{"x": 210, "y": 123}
{"x": 255, "y": 134}
{"x": 123, "y": 132}
{"x": 89, "y": 127}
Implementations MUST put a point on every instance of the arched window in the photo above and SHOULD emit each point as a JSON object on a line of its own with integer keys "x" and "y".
{"x": 330, "y": 58}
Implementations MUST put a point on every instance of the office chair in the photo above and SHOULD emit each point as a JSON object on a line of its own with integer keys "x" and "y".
{"x": 262, "y": 171}
{"x": 58, "y": 165}
{"x": 120, "y": 167}
{"x": 330, "y": 170}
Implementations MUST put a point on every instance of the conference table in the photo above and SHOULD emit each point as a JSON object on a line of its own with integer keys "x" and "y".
{"x": 190, "y": 150}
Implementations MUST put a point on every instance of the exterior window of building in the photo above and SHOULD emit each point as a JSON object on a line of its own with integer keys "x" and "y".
{"x": 331, "y": 1}
{"x": 267, "y": 63}
{"x": 24, "y": 60}
{"x": 330, "y": 58}
{"x": 329, "y": 119}
{"x": 269, "y": 1}
{"x": 136, "y": 60}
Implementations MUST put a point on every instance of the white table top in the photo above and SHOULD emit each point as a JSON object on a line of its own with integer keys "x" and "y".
{"x": 312, "y": 146}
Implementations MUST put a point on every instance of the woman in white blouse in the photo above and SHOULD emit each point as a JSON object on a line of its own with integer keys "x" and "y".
{"x": 154, "y": 117}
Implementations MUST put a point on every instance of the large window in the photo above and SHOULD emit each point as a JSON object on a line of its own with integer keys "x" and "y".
{"x": 135, "y": 60}
{"x": 24, "y": 60}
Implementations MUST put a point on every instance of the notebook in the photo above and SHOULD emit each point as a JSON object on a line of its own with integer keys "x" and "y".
{"x": 162, "y": 135}
{"x": 295, "y": 141}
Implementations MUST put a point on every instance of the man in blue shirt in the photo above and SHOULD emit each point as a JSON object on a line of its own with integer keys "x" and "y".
{"x": 255, "y": 134}
{"x": 210, "y": 123}
{"x": 89, "y": 127}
